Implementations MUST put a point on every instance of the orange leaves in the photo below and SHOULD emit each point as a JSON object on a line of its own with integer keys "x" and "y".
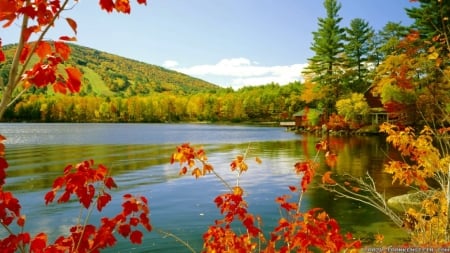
{"x": 72, "y": 24}
{"x": 239, "y": 164}
{"x": 87, "y": 182}
{"x": 326, "y": 178}
{"x": 42, "y": 16}
{"x": 43, "y": 49}
{"x": 188, "y": 157}
{"x": 122, "y": 6}
{"x": 352, "y": 187}
{"x": 322, "y": 146}
{"x": 107, "y": 5}
{"x": 313, "y": 229}
{"x": 134, "y": 207}
{"x": 118, "y": 5}
{"x": 296, "y": 231}
{"x": 301, "y": 232}
{"x": 80, "y": 181}
{"x": 421, "y": 159}
{"x": 221, "y": 237}
{"x": 285, "y": 204}
{"x": 136, "y": 237}
{"x": 40, "y": 75}
{"x": 62, "y": 49}
{"x": 73, "y": 82}
{"x": 103, "y": 199}
{"x": 237, "y": 190}
{"x": 231, "y": 205}
{"x": 38, "y": 243}
{"x": 330, "y": 159}
{"x": 45, "y": 71}
{"x": 307, "y": 170}
{"x": 197, "y": 173}
{"x": 10, "y": 208}
{"x": 9, "y": 11}
{"x": 379, "y": 238}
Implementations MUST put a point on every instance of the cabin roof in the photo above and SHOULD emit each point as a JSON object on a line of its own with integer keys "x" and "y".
{"x": 374, "y": 101}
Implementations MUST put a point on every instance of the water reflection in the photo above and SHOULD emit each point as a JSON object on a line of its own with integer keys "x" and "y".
{"x": 357, "y": 156}
{"x": 34, "y": 167}
{"x": 184, "y": 205}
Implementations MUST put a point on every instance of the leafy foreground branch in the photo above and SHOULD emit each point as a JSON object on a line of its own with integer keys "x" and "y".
{"x": 240, "y": 231}
{"x": 363, "y": 189}
{"x": 425, "y": 167}
{"x": 89, "y": 184}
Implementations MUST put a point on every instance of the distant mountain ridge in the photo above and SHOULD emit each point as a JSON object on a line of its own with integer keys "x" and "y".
{"x": 106, "y": 74}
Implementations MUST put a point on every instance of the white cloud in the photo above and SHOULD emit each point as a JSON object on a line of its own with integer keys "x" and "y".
{"x": 239, "y": 72}
{"x": 170, "y": 64}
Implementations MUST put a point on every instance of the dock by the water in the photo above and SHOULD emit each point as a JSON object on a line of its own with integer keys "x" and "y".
{"x": 287, "y": 124}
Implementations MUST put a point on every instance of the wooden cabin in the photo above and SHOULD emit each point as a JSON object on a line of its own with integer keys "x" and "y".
{"x": 303, "y": 118}
{"x": 377, "y": 112}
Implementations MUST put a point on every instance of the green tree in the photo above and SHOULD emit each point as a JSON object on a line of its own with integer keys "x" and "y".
{"x": 389, "y": 38}
{"x": 328, "y": 46}
{"x": 357, "y": 50}
{"x": 431, "y": 19}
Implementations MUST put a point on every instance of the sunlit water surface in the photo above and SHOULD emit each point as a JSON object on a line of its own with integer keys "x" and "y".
{"x": 139, "y": 158}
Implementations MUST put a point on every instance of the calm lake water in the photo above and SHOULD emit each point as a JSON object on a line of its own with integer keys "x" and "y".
{"x": 139, "y": 158}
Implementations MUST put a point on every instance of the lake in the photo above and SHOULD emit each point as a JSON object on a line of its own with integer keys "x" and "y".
{"x": 138, "y": 156}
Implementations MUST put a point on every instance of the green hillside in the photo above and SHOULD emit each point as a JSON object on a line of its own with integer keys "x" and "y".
{"x": 106, "y": 74}
{"x": 116, "y": 89}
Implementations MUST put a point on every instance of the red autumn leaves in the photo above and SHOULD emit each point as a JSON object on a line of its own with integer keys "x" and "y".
{"x": 89, "y": 184}
{"x": 43, "y": 12}
{"x": 45, "y": 71}
{"x": 240, "y": 231}
{"x": 118, "y": 5}
{"x": 80, "y": 181}
{"x": 187, "y": 156}
{"x": 41, "y": 15}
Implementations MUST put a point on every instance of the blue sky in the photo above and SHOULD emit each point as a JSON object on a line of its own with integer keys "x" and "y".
{"x": 232, "y": 43}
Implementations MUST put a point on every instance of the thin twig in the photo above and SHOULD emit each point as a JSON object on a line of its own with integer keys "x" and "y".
{"x": 176, "y": 238}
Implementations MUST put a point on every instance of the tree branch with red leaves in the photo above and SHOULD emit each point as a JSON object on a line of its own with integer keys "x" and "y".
{"x": 37, "y": 18}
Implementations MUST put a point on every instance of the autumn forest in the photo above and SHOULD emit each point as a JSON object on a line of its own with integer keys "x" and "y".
{"x": 354, "y": 62}
{"x": 116, "y": 89}
{"x": 396, "y": 80}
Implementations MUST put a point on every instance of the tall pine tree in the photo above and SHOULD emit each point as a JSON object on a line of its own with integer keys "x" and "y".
{"x": 389, "y": 38}
{"x": 431, "y": 18}
{"x": 328, "y": 46}
{"x": 357, "y": 50}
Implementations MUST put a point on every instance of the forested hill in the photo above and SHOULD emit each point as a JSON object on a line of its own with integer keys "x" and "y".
{"x": 117, "y": 89}
{"x": 106, "y": 74}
